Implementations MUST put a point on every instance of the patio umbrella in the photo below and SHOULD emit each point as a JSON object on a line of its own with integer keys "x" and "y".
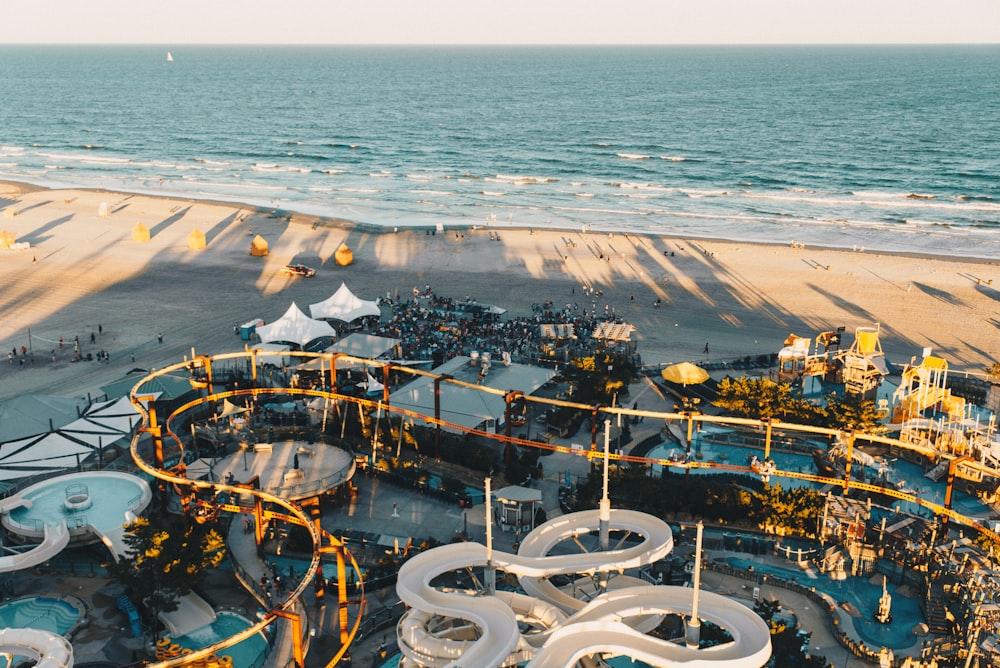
{"x": 684, "y": 373}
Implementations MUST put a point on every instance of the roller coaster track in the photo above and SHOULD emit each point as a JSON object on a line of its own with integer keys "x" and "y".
{"x": 200, "y": 368}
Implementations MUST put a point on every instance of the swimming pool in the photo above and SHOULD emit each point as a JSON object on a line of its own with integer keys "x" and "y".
{"x": 100, "y": 499}
{"x": 860, "y": 593}
{"x": 248, "y": 653}
{"x": 59, "y": 615}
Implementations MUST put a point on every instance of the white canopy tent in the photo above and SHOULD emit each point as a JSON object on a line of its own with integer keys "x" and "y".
{"x": 295, "y": 327}
{"x": 345, "y": 306}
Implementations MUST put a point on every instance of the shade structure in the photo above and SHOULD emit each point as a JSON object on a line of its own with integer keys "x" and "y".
{"x": 63, "y": 447}
{"x": 294, "y": 327}
{"x": 140, "y": 233}
{"x": 258, "y": 247}
{"x": 684, "y": 373}
{"x": 7, "y": 239}
{"x": 343, "y": 255}
{"x": 196, "y": 240}
{"x": 344, "y": 305}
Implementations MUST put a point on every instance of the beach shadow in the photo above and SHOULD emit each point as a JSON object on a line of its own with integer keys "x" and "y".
{"x": 940, "y": 295}
{"x": 39, "y": 235}
{"x": 217, "y": 229}
{"x": 168, "y": 221}
{"x": 33, "y": 206}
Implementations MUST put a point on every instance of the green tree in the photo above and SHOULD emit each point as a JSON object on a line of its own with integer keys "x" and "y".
{"x": 165, "y": 559}
{"x": 853, "y": 412}
{"x": 599, "y": 377}
{"x": 763, "y": 398}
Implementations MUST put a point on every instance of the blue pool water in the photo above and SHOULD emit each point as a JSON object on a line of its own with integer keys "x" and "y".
{"x": 39, "y": 612}
{"x": 862, "y": 595}
{"x": 110, "y": 495}
{"x": 248, "y": 653}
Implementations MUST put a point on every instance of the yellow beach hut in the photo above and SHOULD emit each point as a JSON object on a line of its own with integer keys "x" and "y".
{"x": 140, "y": 233}
{"x": 196, "y": 240}
{"x": 344, "y": 255}
{"x": 7, "y": 239}
{"x": 258, "y": 247}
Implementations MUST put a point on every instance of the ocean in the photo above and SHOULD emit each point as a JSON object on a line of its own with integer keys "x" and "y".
{"x": 892, "y": 148}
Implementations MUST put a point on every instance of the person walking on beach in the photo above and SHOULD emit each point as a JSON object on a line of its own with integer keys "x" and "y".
{"x": 706, "y": 348}
{"x": 159, "y": 337}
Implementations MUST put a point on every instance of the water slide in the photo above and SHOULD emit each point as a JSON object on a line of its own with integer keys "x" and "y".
{"x": 55, "y": 538}
{"x": 464, "y": 629}
{"x": 48, "y": 650}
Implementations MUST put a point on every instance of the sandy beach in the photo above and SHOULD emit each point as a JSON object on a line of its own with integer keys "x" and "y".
{"x": 85, "y": 276}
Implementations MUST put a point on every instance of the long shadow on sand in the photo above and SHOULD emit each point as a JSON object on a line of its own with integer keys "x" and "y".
{"x": 39, "y": 235}
{"x": 168, "y": 221}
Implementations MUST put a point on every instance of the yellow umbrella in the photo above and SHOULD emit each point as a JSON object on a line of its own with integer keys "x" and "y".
{"x": 684, "y": 373}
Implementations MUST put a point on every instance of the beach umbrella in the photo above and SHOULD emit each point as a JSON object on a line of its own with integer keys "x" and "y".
{"x": 684, "y": 373}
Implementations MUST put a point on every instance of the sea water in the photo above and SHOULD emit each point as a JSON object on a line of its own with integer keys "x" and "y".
{"x": 878, "y": 147}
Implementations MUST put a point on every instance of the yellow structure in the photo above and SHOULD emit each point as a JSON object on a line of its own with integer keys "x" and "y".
{"x": 922, "y": 386}
{"x": 140, "y": 233}
{"x": 7, "y": 239}
{"x": 863, "y": 365}
{"x": 258, "y": 247}
{"x": 344, "y": 255}
{"x": 196, "y": 240}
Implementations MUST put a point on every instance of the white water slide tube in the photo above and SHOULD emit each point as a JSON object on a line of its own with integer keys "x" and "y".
{"x": 459, "y": 630}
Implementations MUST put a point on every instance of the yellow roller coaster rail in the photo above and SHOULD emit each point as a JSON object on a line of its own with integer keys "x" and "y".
{"x": 201, "y": 370}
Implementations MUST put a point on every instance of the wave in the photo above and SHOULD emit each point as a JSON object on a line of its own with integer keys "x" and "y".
{"x": 492, "y": 193}
{"x": 586, "y": 195}
{"x": 92, "y": 147}
{"x": 521, "y": 180}
{"x": 674, "y": 158}
{"x": 442, "y": 193}
{"x": 632, "y": 156}
{"x": 205, "y": 161}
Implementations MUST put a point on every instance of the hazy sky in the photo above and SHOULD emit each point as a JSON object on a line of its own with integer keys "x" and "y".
{"x": 175, "y": 22}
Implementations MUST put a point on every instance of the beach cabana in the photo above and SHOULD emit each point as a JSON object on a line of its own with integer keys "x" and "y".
{"x": 7, "y": 239}
{"x": 140, "y": 233}
{"x": 258, "y": 247}
{"x": 343, "y": 255}
{"x": 345, "y": 306}
{"x": 196, "y": 240}
{"x": 295, "y": 327}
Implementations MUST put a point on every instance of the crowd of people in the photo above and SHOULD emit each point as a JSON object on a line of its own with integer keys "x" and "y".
{"x": 436, "y": 328}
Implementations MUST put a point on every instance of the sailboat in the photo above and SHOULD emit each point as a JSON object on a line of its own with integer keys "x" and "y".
{"x": 170, "y": 57}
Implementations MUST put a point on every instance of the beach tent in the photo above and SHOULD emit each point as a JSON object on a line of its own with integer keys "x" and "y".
{"x": 7, "y": 239}
{"x": 196, "y": 240}
{"x": 258, "y": 247}
{"x": 344, "y": 255}
{"x": 294, "y": 327}
{"x": 140, "y": 233}
{"x": 344, "y": 305}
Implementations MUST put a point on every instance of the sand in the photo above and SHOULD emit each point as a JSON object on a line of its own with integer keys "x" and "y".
{"x": 84, "y": 274}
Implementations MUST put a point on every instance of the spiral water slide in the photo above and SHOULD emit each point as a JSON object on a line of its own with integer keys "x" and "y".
{"x": 458, "y": 629}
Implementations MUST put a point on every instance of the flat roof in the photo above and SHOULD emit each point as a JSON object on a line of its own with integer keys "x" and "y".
{"x": 464, "y": 406}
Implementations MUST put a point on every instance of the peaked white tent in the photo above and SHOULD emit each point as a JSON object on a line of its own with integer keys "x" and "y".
{"x": 294, "y": 327}
{"x": 344, "y": 305}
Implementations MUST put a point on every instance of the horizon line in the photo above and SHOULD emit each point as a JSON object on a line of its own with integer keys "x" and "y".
{"x": 504, "y": 44}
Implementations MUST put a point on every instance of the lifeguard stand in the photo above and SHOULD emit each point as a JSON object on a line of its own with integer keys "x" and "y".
{"x": 863, "y": 364}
